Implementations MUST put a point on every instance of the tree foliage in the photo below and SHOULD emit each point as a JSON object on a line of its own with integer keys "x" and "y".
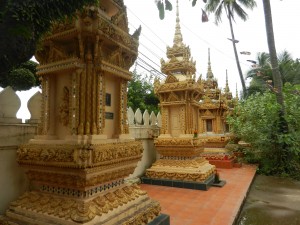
{"x": 261, "y": 74}
{"x": 21, "y": 78}
{"x": 231, "y": 8}
{"x": 256, "y": 121}
{"x": 22, "y": 23}
{"x": 141, "y": 94}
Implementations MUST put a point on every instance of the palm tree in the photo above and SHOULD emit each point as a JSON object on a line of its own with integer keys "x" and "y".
{"x": 261, "y": 72}
{"x": 273, "y": 55}
{"x": 231, "y": 8}
{"x": 283, "y": 127}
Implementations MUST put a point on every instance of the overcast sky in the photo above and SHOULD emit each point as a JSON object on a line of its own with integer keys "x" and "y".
{"x": 157, "y": 34}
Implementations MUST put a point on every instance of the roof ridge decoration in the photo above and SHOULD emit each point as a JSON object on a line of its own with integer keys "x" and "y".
{"x": 171, "y": 79}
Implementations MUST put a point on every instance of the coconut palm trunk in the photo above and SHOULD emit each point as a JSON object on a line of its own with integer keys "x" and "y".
{"x": 231, "y": 7}
{"x": 277, "y": 79}
{"x": 236, "y": 54}
{"x": 283, "y": 155}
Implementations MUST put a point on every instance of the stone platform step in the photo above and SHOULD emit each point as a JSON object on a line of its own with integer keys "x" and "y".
{"x": 204, "y": 186}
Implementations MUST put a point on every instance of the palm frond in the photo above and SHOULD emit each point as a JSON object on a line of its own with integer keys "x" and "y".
{"x": 263, "y": 59}
{"x": 249, "y": 4}
{"x": 218, "y": 14}
{"x": 285, "y": 56}
{"x": 236, "y": 8}
{"x": 212, "y": 5}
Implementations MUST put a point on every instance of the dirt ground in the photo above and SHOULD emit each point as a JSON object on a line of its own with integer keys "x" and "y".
{"x": 271, "y": 201}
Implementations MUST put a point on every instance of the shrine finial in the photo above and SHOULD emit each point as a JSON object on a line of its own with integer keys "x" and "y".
{"x": 178, "y": 36}
{"x": 226, "y": 89}
{"x": 209, "y": 74}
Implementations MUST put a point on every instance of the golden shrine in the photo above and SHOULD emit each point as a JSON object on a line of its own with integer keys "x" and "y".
{"x": 193, "y": 121}
{"x": 77, "y": 163}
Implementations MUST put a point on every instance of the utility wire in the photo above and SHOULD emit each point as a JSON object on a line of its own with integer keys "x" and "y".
{"x": 158, "y": 57}
{"x": 152, "y": 68}
{"x": 149, "y": 59}
{"x": 208, "y": 43}
{"x": 149, "y": 40}
{"x": 147, "y": 27}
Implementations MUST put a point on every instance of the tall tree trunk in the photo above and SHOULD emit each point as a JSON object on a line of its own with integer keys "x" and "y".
{"x": 285, "y": 155}
{"x": 236, "y": 54}
{"x": 273, "y": 55}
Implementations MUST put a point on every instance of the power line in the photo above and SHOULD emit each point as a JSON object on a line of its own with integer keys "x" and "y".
{"x": 147, "y": 26}
{"x": 149, "y": 59}
{"x": 152, "y": 68}
{"x": 208, "y": 43}
{"x": 149, "y": 40}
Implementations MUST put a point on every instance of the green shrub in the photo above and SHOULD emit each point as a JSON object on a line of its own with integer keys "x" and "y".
{"x": 21, "y": 79}
{"x": 256, "y": 121}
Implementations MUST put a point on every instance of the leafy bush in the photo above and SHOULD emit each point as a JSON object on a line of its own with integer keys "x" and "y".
{"x": 256, "y": 120}
{"x": 21, "y": 79}
{"x": 141, "y": 94}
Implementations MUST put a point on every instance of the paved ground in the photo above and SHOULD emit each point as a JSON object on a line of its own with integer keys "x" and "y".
{"x": 217, "y": 206}
{"x": 272, "y": 201}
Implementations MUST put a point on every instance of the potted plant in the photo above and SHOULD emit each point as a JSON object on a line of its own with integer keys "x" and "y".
{"x": 195, "y": 133}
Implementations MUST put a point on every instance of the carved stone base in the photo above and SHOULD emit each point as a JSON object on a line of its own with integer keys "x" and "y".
{"x": 196, "y": 170}
{"x": 73, "y": 183}
{"x": 122, "y": 205}
{"x": 204, "y": 186}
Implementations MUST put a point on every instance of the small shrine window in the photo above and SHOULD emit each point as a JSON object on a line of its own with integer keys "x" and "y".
{"x": 209, "y": 125}
{"x": 108, "y": 99}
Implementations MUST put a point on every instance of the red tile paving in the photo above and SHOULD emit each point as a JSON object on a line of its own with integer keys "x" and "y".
{"x": 217, "y": 206}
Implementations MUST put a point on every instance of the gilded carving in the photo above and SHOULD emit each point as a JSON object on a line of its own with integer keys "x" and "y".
{"x": 194, "y": 163}
{"x": 178, "y": 142}
{"x": 196, "y": 175}
{"x": 79, "y": 155}
{"x": 80, "y": 178}
{"x": 84, "y": 211}
{"x": 44, "y": 153}
{"x": 64, "y": 107}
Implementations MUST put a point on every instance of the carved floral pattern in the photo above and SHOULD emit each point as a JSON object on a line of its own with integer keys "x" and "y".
{"x": 79, "y": 154}
{"x": 83, "y": 211}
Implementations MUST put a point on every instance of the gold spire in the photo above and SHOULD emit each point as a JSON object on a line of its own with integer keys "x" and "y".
{"x": 236, "y": 92}
{"x": 209, "y": 74}
{"x": 177, "y": 36}
{"x": 226, "y": 89}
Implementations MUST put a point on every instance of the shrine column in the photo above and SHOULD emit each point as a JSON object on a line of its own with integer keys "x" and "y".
{"x": 123, "y": 107}
{"x": 100, "y": 102}
{"x": 165, "y": 120}
{"x": 218, "y": 125}
{"x": 44, "y": 125}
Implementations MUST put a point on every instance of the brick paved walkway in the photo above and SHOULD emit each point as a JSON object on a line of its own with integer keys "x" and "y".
{"x": 217, "y": 206}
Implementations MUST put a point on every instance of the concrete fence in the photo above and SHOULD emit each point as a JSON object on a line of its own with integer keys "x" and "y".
{"x": 13, "y": 132}
{"x": 13, "y": 182}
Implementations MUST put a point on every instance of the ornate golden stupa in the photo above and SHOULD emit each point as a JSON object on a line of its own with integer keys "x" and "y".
{"x": 77, "y": 163}
{"x": 179, "y": 145}
{"x": 214, "y": 106}
{"x": 194, "y": 126}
